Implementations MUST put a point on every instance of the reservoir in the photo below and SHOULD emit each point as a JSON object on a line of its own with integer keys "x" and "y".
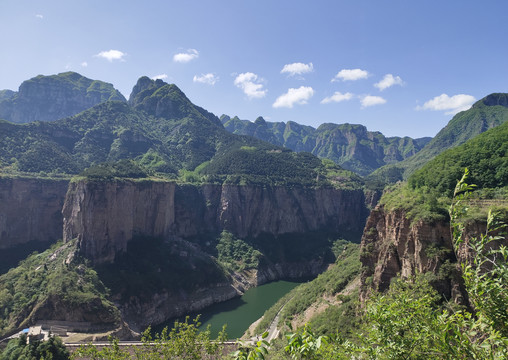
{"x": 240, "y": 312}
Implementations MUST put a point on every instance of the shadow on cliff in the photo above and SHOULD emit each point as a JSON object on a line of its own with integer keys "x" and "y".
{"x": 10, "y": 258}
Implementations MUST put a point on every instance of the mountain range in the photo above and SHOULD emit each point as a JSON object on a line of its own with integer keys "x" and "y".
{"x": 166, "y": 208}
{"x": 351, "y": 146}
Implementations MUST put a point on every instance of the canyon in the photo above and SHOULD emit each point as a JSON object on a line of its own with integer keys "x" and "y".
{"x": 103, "y": 218}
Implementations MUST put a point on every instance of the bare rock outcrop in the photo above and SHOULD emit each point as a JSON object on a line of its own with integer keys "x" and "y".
{"x": 104, "y": 216}
{"x": 392, "y": 244}
{"x": 30, "y": 210}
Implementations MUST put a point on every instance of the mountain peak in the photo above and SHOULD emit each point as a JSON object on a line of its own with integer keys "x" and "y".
{"x": 143, "y": 84}
{"x": 160, "y": 99}
{"x": 47, "y": 98}
{"x": 493, "y": 100}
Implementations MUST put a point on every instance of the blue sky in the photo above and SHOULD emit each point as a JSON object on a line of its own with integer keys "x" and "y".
{"x": 399, "y": 67}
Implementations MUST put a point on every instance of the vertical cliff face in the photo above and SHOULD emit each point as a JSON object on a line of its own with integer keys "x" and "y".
{"x": 392, "y": 244}
{"x": 105, "y": 216}
{"x": 116, "y": 222}
{"x": 30, "y": 210}
{"x": 251, "y": 211}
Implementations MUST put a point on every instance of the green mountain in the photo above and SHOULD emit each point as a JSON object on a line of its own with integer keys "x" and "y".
{"x": 486, "y": 157}
{"x": 351, "y": 146}
{"x": 159, "y": 127}
{"x": 427, "y": 192}
{"x": 485, "y": 114}
{"x": 162, "y": 131}
{"x": 47, "y": 98}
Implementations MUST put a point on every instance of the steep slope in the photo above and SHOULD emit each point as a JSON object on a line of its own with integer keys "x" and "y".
{"x": 30, "y": 217}
{"x": 409, "y": 231}
{"x": 487, "y": 113}
{"x": 55, "y": 285}
{"x": 161, "y": 185}
{"x": 351, "y": 146}
{"x": 326, "y": 302}
{"x": 160, "y": 128}
{"x": 47, "y": 98}
{"x": 156, "y": 243}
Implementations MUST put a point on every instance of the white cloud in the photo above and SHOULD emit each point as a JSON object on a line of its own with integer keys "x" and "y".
{"x": 351, "y": 75}
{"x": 451, "y": 105}
{"x": 111, "y": 55}
{"x": 388, "y": 81}
{"x": 84, "y": 64}
{"x": 297, "y": 68}
{"x": 294, "y": 96}
{"x": 371, "y": 100}
{"x": 209, "y": 79}
{"x": 39, "y": 16}
{"x": 187, "y": 56}
{"x": 160, "y": 77}
{"x": 250, "y": 84}
{"x": 337, "y": 97}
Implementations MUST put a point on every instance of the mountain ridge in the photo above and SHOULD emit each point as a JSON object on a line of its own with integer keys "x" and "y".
{"x": 351, "y": 146}
{"x": 486, "y": 113}
{"x": 48, "y": 98}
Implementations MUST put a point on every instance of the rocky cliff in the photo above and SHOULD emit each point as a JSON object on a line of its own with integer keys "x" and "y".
{"x": 30, "y": 210}
{"x": 393, "y": 244}
{"x": 117, "y": 224}
{"x": 46, "y": 98}
{"x": 105, "y": 216}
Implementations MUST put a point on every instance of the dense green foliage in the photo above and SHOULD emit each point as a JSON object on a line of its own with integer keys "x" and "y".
{"x": 164, "y": 134}
{"x": 46, "y": 278}
{"x": 351, "y": 146}
{"x": 19, "y": 349}
{"x": 418, "y": 204}
{"x": 121, "y": 169}
{"x": 427, "y": 192}
{"x": 183, "y": 341}
{"x": 236, "y": 254}
{"x": 265, "y": 165}
{"x": 486, "y": 157}
{"x": 486, "y": 275}
{"x": 487, "y": 113}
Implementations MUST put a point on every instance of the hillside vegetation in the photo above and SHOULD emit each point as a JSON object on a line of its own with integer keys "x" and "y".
{"x": 323, "y": 292}
{"x": 485, "y": 114}
{"x": 427, "y": 193}
{"x": 349, "y": 145}
{"x": 165, "y": 135}
{"x": 55, "y": 278}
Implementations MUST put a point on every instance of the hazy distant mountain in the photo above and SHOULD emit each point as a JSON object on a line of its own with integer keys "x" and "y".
{"x": 351, "y": 146}
{"x": 47, "y": 98}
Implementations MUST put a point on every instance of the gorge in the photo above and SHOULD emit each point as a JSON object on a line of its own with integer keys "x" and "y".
{"x": 162, "y": 212}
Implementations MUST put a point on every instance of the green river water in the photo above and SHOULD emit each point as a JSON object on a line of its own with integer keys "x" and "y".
{"x": 240, "y": 312}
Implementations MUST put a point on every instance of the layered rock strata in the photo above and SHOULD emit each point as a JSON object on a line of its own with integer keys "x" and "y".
{"x": 104, "y": 216}
{"x": 30, "y": 210}
{"x": 392, "y": 244}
